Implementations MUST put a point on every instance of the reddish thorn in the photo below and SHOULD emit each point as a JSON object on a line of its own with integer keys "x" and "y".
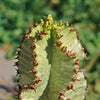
{"x": 30, "y": 29}
{"x": 19, "y": 97}
{"x": 85, "y": 56}
{"x": 40, "y": 36}
{"x": 74, "y": 78}
{"x": 62, "y": 92}
{"x": 69, "y": 53}
{"x": 34, "y": 38}
{"x": 76, "y": 70}
{"x": 25, "y": 87}
{"x": 77, "y": 62}
{"x": 34, "y": 71}
{"x": 26, "y": 36}
{"x": 63, "y": 49}
{"x": 72, "y": 28}
{"x": 35, "y": 63}
{"x": 58, "y": 36}
{"x": 70, "y": 86}
{"x": 37, "y": 79}
{"x": 74, "y": 55}
{"x": 34, "y": 55}
{"x": 83, "y": 49}
{"x": 76, "y": 33}
{"x": 58, "y": 43}
{"x": 35, "y": 24}
{"x": 80, "y": 41}
{"x": 79, "y": 70}
{"x": 60, "y": 98}
{"x": 33, "y": 87}
{"x": 33, "y": 46}
{"x": 44, "y": 33}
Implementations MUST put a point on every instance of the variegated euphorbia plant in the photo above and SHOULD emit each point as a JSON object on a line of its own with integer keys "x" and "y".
{"x": 48, "y": 63}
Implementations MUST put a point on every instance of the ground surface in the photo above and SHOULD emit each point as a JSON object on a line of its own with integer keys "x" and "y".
{"x": 7, "y": 73}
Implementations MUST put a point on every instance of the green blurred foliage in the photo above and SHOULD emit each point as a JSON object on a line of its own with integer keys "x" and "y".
{"x": 17, "y": 15}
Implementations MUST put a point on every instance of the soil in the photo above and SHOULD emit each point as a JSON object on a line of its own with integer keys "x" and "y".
{"x": 7, "y": 73}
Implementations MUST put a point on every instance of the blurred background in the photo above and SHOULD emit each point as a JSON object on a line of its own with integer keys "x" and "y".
{"x": 17, "y": 15}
